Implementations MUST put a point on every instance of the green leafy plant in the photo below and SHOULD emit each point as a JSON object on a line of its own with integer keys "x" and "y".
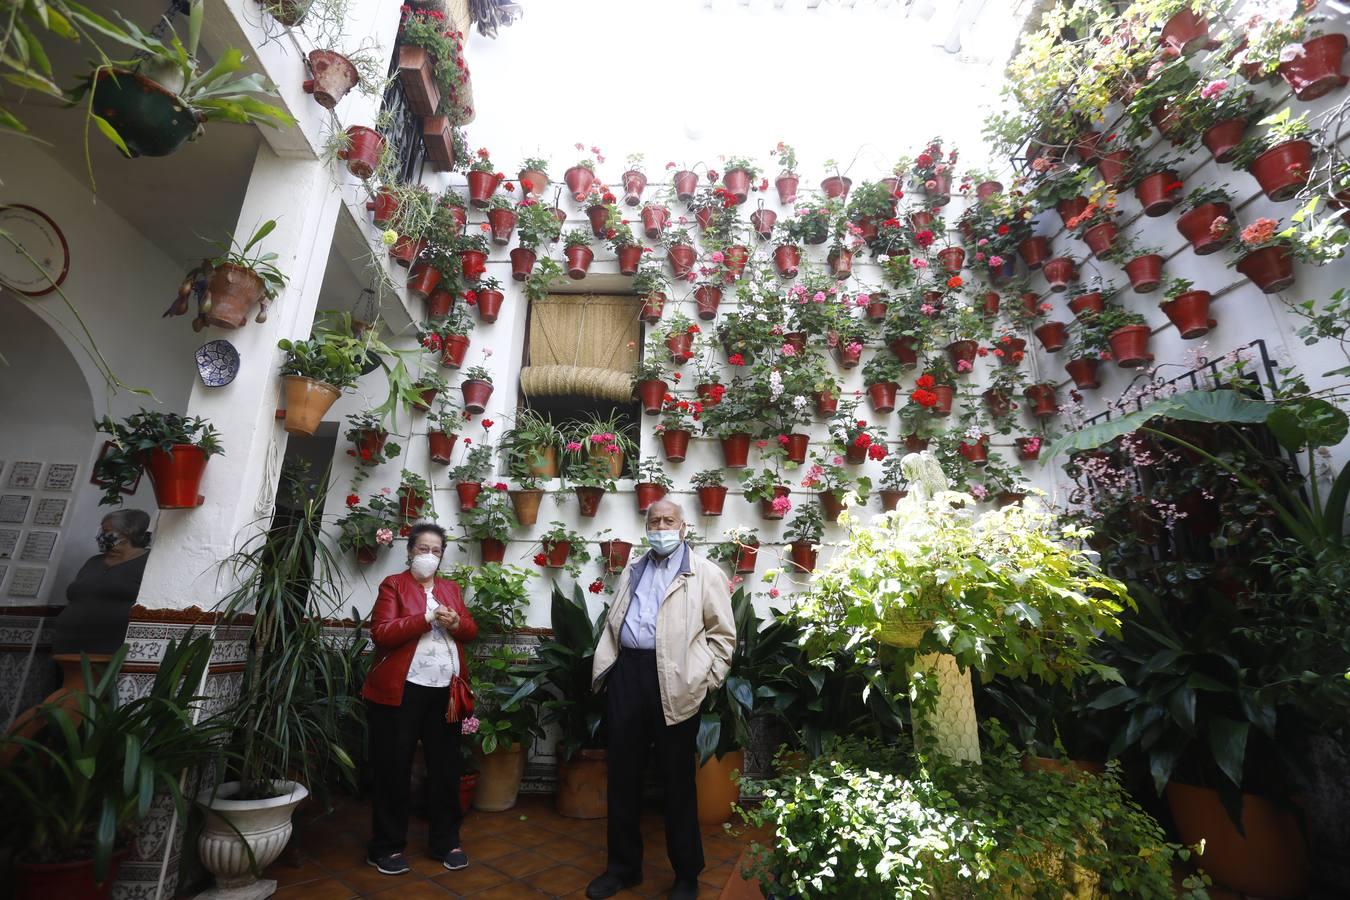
{"x": 250, "y": 256}
{"x": 496, "y": 595}
{"x": 136, "y": 436}
{"x": 329, "y": 356}
{"x": 492, "y": 516}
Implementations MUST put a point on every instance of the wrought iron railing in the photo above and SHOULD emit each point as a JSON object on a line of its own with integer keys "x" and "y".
{"x": 404, "y": 130}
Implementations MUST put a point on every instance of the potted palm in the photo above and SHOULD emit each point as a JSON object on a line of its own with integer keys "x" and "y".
{"x": 316, "y": 371}
{"x": 173, "y": 449}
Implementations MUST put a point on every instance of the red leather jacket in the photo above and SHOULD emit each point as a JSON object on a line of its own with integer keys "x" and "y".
{"x": 398, "y": 620}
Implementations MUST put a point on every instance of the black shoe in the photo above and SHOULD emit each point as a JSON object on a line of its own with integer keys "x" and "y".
{"x": 455, "y": 860}
{"x": 684, "y": 889}
{"x": 609, "y": 884}
{"x": 389, "y": 864}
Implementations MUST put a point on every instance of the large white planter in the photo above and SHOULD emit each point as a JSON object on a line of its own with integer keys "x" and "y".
{"x": 264, "y": 824}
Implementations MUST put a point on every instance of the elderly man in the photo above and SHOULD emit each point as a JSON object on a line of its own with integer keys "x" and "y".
{"x": 667, "y": 642}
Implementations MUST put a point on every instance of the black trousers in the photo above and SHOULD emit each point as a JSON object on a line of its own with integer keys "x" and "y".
{"x": 635, "y": 722}
{"x": 394, "y": 733}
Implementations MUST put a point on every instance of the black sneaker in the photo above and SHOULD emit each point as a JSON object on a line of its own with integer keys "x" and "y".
{"x": 389, "y": 864}
{"x": 684, "y": 889}
{"x": 455, "y": 860}
{"x": 609, "y": 884}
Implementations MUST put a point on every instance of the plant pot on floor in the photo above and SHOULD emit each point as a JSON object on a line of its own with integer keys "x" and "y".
{"x": 718, "y": 792}
{"x": 232, "y": 828}
{"x": 499, "y": 776}
{"x": 65, "y": 881}
{"x": 1190, "y": 313}
{"x": 307, "y": 401}
{"x": 582, "y": 792}
{"x": 1270, "y": 860}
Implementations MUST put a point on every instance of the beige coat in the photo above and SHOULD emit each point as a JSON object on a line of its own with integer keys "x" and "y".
{"x": 695, "y": 634}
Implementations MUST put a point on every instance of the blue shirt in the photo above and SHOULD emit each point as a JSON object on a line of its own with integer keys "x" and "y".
{"x": 639, "y": 622}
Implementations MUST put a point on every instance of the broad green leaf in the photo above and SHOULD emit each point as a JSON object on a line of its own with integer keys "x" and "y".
{"x": 110, "y": 133}
{"x": 1192, "y": 406}
{"x": 1228, "y": 744}
{"x": 1309, "y": 421}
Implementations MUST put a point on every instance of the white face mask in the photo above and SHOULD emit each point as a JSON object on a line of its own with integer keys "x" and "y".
{"x": 424, "y": 565}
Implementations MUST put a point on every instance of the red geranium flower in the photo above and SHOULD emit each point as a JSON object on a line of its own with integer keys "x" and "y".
{"x": 926, "y": 399}
{"x": 736, "y": 359}
{"x": 954, "y": 282}
{"x": 541, "y": 559}
{"x": 596, "y": 586}
{"x": 1003, "y": 229}
{"x": 925, "y": 381}
{"x": 876, "y": 451}
{"x": 352, "y": 500}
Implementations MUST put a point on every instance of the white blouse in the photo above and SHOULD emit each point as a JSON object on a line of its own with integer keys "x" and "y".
{"x": 435, "y": 662}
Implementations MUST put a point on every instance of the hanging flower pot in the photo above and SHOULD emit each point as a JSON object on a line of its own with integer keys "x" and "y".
{"x": 366, "y": 556}
{"x": 502, "y": 223}
{"x": 997, "y": 402}
{"x": 489, "y": 305}
{"x": 599, "y": 219}
{"x": 422, "y": 279}
{"x": 1222, "y": 138}
{"x": 482, "y": 185}
{"x": 963, "y": 351}
{"x": 556, "y": 553}
{"x": 796, "y": 447}
{"x": 746, "y": 557}
{"x": 920, "y": 220}
{"x": 906, "y": 349}
{"x": 882, "y": 396}
{"x": 438, "y": 302}
{"x": 307, "y": 401}
{"x": 679, "y": 346}
{"x": 654, "y": 220}
{"x": 986, "y": 189}
{"x": 952, "y": 259}
{"x": 827, "y": 404}
{"x": 425, "y": 397}
{"x": 940, "y": 194}
{"x": 176, "y": 475}
{"x": 762, "y": 221}
{"x": 1028, "y": 448}
{"x": 410, "y": 503}
{"x": 646, "y": 494}
{"x": 1167, "y": 119}
{"x": 491, "y": 550}
{"x": 384, "y": 206}
{"x": 735, "y": 259}
{"x": 615, "y": 554}
{"x": 737, "y": 182}
{"x": 681, "y": 258}
{"x": 588, "y": 500}
{"x": 735, "y": 450}
{"x": 578, "y": 261}
{"x": 1317, "y": 70}
{"x": 854, "y": 455}
{"x": 1058, "y": 273}
{"x": 1053, "y": 336}
{"x": 559, "y": 214}
{"x": 522, "y": 263}
{"x": 836, "y": 186}
{"x": 468, "y": 492}
{"x": 766, "y": 510}
{"x": 890, "y": 498}
{"x": 1034, "y": 251}
{"x": 532, "y": 181}
{"x": 334, "y": 75}
{"x": 1085, "y": 145}
{"x": 652, "y": 306}
{"x": 1092, "y": 302}
{"x": 876, "y": 311}
{"x": 686, "y": 183}
{"x": 1186, "y": 31}
{"x": 708, "y": 298}
{"x": 476, "y": 395}
{"x": 945, "y": 394}
{"x": 579, "y": 180}
{"x": 362, "y": 151}
{"x": 1083, "y": 371}
{"x": 711, "y": 499}
{"x": 786, "y": 186}
{"x": 1190, "y": 313}
{"x": 441, "y": 445}
{"x": 1099, "y": 238}
{"x": 234, "y": 291}
{"x": 1198, "y": 227}
{"x": 787, "y": 258}
{"x": 544, "y": 461}
{"x": 1145, "y": 273}
{"x": 795, "y": 339}
{"x": 1044, "y": 402}
{"x": 803, "y": 555}
{"x": 473, "y": 263}
{"x": 704, "y": 217}
{"x": 1013, "y": 348}
{"x": 634, "y": 182}
{"x": 370, "y": 444}
{"x": 841, "y": 264}
{"x": 1129, "y": 346}
{"x": 1112, "y": 167}
{"x": 976, "y": 452}
{"x": 454, "y": 349}
{"x": 848, "y": 354}
{"x": 915, "y": 444}
{"x": 405, "y": 250}
{"x": 1070, "y": 209}
{"x": 1158, "y": 193}
{"x": 1030, "y": 302}
{"x": 1269, "y": 268}
{"x": 651, "y": 392}
{"x": 675, "y": 443}
{"x": 1283, "y": 170}
{"x": 629, "y": 256}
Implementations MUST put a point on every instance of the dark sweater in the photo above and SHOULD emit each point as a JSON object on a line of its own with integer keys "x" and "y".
{"x": 100, "y": 600}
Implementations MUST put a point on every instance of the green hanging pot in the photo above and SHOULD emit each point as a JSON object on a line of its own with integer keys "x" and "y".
{"x": 150, "y": 120}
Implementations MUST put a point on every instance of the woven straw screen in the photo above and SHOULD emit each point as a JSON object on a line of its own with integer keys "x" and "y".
{"x": 583, "y": 345}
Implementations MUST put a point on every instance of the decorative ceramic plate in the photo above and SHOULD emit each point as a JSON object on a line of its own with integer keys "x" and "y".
{"x": 217, "y": 362}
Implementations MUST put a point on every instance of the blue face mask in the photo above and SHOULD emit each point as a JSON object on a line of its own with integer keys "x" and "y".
{"x": 664, "y": 543}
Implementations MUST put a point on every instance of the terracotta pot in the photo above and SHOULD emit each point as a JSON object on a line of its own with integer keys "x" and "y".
{"x": 977, "y": 453}
{"x": 675, "y": 443}
{"x": 615, "y": 460}
{"x": 1030, "y": 302}
{"x": 455, "y": 347}
{"x": 1186, "y": 31}
{"x": 941, "y": 193}
{"x": 1317, "y": 70}
{"x": 647, "y": 493}
{"x": 67, "y": 880}
{"x": 1222, "y": 138}
{"x": 406, "y": 250}
{"x": 1087, "y": 303}
{"x": 384, "y": 207}
{"x": 882, "y": 396}
{"x": 1129, "y": 346}
{"x": 827, "y": 404}
{"x": 1070, "y": 208}
{"x": 476, "y": 395}
{"x": 952, "y": 259}
{"x": 876, "y": 311}
{"x": 425, "y": 397}
{"x": 1034, "y": 251}
{"x": 1011, "y": 347}
{"x": 803, "y": 555}
{"x": 559, "y": 214}
{"x": 681, "y": 258}
{"x": 855, "y": 455}
{"x": 615, "y": 554}
{"x": 634, "y": 182}
{"x": 704, "y": 217}
{"x": 442, "y": 445}
{"x": 1083, "y": 371}
{"x": 1268, "y": 860}
{"x": 788, "y": 259}
{"x": 176, "y": 474}
{"x": 1112, "y": 167}
{"x": 1283, "y": 170}
{"x": 708, "y": 298}
{"x": 962, "y": 351}
{"x": 459, "y": 215}
{"x": 997, "y": 402}
{"x": 737, "y": 182}
{"x": 578, "y": 261}
{"x": 544, "y": 462}
{"x": 679, "y": 347}
{"x": 796, "y": 447}
{"x": 1195, "y": 227}
{"x": 473, "y": 263}
{"x": 422, "y": 279}
{"x": 1145, "y": 273}
{"x": 307, "y": 401}
{"x": 986, "y": 189}
{"x": 735, "y": 258}
{"x": 491, "y": 550}
{"x": 526, "y": 504}
{"x": 915, "y": 444}
{"x": 370, "y": 444}
{"x": 920, "y": 220}
{"x": 746, "y": 557}
{"x": 629, "y": 256}
{"x": 892, "y": 185}
{"x": 1053, "y": 336}
{"x": 841, "y": 264}
{"x": 836, "y": 186}
{"x": 1058, "y": 273}
{"x": 482, "y": 185}
{"x": 848, "y": 354}
{"x": 489, "y": 306}
{"x": 599, "y": 218}
{"x": 787, "y": 188}
{"x": 762, "y": 221}
{"x": 1086, "y": 145}
{"x": 711, "y": 499}
{"x": 409, "y": 504}
{"x": 1024, "y": 451}
{"x": 1167, "y": 119}
{"x": 234, "y": 292}
{"x": 1158, "y": 193}
{"x": 718, "y": 793}
{"x": 556, "y": 553}
{"x": 366, "y": 556}
{"x": 766, "y": 510}
{"x": 468, "y": 492}
{"x": 797, "y": 339}
{"x": 588, "y": 500}
{"x": 334, "y": 75}
{"x": 945, "y": 395}
{"x": 1190, "y": 313}
{"x": 579, "y": 180}
{"x": 437, "y": 304}
{"x": 362, "y": 151}
{"x": 499, "y": 776}
{"x": 1099, "y": 238}
{"x": 906, "y": 349}
{"x": 502, "y": 223}
{"x": 532, "y": 181}
{"x": 1270, "y": 268}
{"x": 890, "y": 499}
{"x": 686, "y": 183}
{"x": 582, "y": 789}
{"x": 654, "y": 220}
{"x": 651, "y": 393}
{"x": 1044, "y": 402}
{"x": 652, "y": 306}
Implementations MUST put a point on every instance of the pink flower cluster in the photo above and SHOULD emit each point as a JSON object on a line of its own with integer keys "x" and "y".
{"x": 1259, "y": 232}
{"x": 781, "y": 505}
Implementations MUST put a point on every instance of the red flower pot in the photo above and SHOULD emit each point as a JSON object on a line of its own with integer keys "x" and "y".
{"x": 827, "y": 404}
{"x": 797, "y": 339}
{"x": 629, "y": 256}
{"x": 588, "y": 500}
{"x": 1086, "y": 146}
{"x": 1196, "y": 227}
{"x": 482, "y": 185}
{"x": 1190, "y": 313}
{"x": 786, "y": 185}
{"x": 787, "y": 258}
{"x": 679, "y": 347}
{"x": 848, "y": 354}
{"x": 1283, "y": 170}
{"x": 491, "y": 550}
{"x": 882, "y": 396}
{"x": 366, "y": 555}
{"x": 915, "y": 444}
{"x": 1083, "y": 371}
{"x": 489, "y": 305}
{"x": 986, "y": 189}
{"x": 410, "y": 504}
{"x": 1070, "y": 208}
{"x": 1044, "y": 402}
{"x": 962, "y": 351}
{"x": 997, "y": 402}
{"x": 1317, "y": 70}
{"x": 675, "y": 443}
{"x": 556, "y": 553}
{"x": 422, "y": 279}
{"x": 855, "y": 455}
{"x": 441, "y": 445}
{"x": 438, "y": 303}
{"x": 362, "y": 151}
{"x": 797, "y": 445}
{"x": 762, "y": 221}
{"x": 652, "y": 306}
{"x": 473, "y": 263}
{"x": 651, "y": 392}
{"x": 890, "y": 499}
{"x": 654, "y": 220}
{"x": 1030, "y": 302}
{"x": 1270, "y": 268}
{"x": 459, "y": 216}
{"x": 945, "y": 395}
{"x": 737, "y": 182}
{"x": 532, "y": 181}
{"x": 711, "y": 499}
{"x": 1099, "y": 238}
{"x": 1011, "y": 347}
{"x": 841, "y": 264}
{"x": 1053, "y": 336}
{"x": 1024, "y": 453}
{"x": 766, "y": 510}
{"x": 704, "y": 217}
{"x": 836, "y": 186}
{"x": 634, "y": 182}
{"x": 1158, "y": 193}
{"x": 876, "y": 311}
{"x": 681, "y": 258}
{"x": 951, "y": 259}
{"x": 425, "y": 397}
{"x": 1112, "y": 166}
{"x": 803, "y": 555}
{"x": 735, "y": 258}
{"x": 746, "y": 557}
{"x": 686, "y": 183}
{"x": 708, "y": 298}
{"x": 646, "y": 494}
{"x": 615, "y": 554}
{"x": 1034, "y": 251}
{"x": 1129, "y": 346}
{"x": 1222, "y": 138}
{"x": 579, "y": 180}
{"x": 1145, "y": 273}
{"x": 1167, "y": 119}
{"x": 384, "y": 207}
{"x": 370, "y": 444}
{"x": 522, "y": 263}
{"x": 559, "y": 214}
{"x": 452, "y": 354}
{"x": 1058, "y": 273}
{"x": 405, "y": 250}
{"x": 476, "y": 395}
{"x": 735, "y": 450}
{"x": 599, "y": 219}
{"x": 977, "y": 454}
{"x": 1186, "y": 31}
{"x": 906, "y": 349}
{"x": 941, "y": 193}
{"x": 176, "y": 476}
{"x": 920, "y": 220}
{"x": 468, "y": 492}
{"x": 502, "y": 222}
{"x": 1087, "y": 303}
{"x": 578, "y": 261}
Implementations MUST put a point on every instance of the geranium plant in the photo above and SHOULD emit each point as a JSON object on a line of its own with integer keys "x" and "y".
{"x": 370, "y": 526}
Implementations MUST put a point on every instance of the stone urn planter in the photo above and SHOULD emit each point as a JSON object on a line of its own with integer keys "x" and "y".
{"x": 230, "y": 824}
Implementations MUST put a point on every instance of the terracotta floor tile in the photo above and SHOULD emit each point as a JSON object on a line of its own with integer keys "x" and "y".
{"x": 512, "y": 891}
{"x": 369, "y": 880}
{"x": 339, "y": 854}
{"x": 423, "y": 864}
{"x": 526, "y": 834}
{"x": 720, "y": 849}
{"x": 477, "y": 877}
{"x": 423, "y": 889}
{"x": 286, "y": 874}
{"x": 522, "y": 863}
{"x": 325, "y": 889}
{"x": 560, "y": 879}
{"x": 717, "y": 875}
{"x": 488, "y": 848}
{"x": 565, "y": 849}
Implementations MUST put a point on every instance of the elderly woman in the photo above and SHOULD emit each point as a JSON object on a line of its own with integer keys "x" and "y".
{"x": 100, "y": 598}
{"x": 414, "y": 692}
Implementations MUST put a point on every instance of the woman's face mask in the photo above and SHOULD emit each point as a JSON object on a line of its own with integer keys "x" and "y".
{"x": 107, "y": 540}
